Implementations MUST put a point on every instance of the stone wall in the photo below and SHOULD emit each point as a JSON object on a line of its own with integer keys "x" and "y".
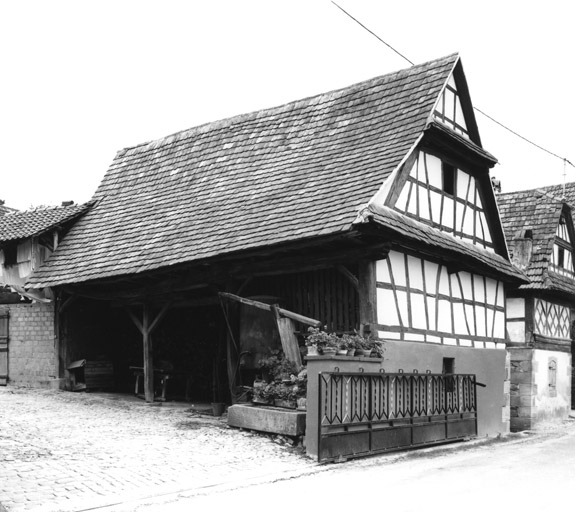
{"x": 522, "y": 389}
{"x": 532, "y": 401}
{"x": 506, "y": 406}
{"x": 32, "y": 351}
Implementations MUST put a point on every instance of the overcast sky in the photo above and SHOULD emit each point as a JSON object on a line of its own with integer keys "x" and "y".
{"x": 82, "y": 80}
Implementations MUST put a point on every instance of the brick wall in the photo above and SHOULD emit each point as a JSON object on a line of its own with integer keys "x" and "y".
{"x": 32, "y": 356}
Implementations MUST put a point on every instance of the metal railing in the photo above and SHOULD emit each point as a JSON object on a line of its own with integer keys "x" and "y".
{"x": 352, "y": 404}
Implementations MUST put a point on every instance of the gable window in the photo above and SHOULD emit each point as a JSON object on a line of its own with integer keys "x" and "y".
{"x": 446, "y": 197}
{"x": 562, "y": 257}
{"x": 448, "y": 178}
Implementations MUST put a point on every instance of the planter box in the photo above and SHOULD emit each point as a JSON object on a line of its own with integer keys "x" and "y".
{"x": 289, "y": 422}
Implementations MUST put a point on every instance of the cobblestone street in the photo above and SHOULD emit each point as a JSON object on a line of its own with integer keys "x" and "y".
{"x": 62, "y": 451}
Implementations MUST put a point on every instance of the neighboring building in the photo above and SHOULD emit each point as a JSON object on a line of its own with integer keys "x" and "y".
{"x": 368, "y": 208}
{"x": 540, "y": 234}
{"x": 4, "y": 210}
{"x": 28, "y": 352}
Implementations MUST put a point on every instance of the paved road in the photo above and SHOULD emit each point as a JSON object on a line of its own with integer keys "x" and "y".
{"x": 64, "y": 451}
{"x": 77, "y": 452}
{"x": 524, "y": 472}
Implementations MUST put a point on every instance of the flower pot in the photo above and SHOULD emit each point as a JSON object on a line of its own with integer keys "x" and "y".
{"x": 312, "y": 350}
{"x": 302, "y": 404}
{"x": 329, "y": 351}
{"x": 365, "y": 352}
{"x": 341, "y": 352}
{"x": 351, "y": 352}
{"x": 286, "y": 404}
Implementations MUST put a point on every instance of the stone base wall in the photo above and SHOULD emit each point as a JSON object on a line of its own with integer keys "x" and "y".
{"x": 522, "y": 389}
{"x": 533, "y": 401}
{"x": 32, "y": 350}
{"x": 506, "y": 407}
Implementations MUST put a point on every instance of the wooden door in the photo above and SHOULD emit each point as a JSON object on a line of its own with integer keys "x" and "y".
{"x": 3, "y": 347}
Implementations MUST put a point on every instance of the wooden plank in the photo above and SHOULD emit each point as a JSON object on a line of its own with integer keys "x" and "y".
{"x": 286, "y": 329}
{"x": 400, "y": 179}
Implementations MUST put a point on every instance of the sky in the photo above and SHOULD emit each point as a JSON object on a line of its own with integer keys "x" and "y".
{"x": 81, "y": 80}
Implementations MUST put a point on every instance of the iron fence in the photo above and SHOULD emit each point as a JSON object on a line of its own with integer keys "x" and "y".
{"x": 364, "y": 413}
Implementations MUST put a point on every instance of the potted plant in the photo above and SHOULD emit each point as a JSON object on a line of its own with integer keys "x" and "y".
{"x": 286, "y": 382}
{"x": 324, "y": 342}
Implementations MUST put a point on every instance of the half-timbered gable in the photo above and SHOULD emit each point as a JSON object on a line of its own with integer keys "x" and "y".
{"x": 445, "y": 196}
{"x": 443, "y": 182}
{"x": 539, "y": 229}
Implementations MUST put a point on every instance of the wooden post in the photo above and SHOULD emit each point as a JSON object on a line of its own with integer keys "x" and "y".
{"x": 148, "y": 356}
{"x": 367, "y": 297}
{"x": 146, "y": 328}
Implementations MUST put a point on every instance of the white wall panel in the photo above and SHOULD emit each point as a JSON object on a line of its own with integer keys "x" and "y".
{"x": 415, "y": 273}
{"x": 515, "y": 308}
{"x": 386, "y": 307}
{"x": 418, "y": 311}
{"x": 397, "y": 267}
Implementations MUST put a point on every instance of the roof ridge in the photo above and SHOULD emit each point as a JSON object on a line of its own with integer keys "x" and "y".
{"x": 238, "y": 118}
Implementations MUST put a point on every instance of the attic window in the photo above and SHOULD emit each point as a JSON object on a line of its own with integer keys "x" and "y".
{"x": 528, "y": 233}
{"x": 562, "y": 257}
{"x": 448, "y": 178}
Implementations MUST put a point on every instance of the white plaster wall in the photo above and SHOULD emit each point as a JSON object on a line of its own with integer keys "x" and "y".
{"x": 550, "y": 408}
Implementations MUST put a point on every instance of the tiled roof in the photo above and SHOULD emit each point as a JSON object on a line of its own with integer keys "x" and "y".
{"x": 19, "y": 225}
{"x": 421, "y": 233}
{"x": 557, "y": 191}
{"x": 538, "y": 210}
{"x": 288, "y": 173}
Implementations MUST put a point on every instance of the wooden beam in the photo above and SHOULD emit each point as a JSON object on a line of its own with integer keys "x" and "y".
{"x": 160, "y": 315}
{"x": 67, "y": 303}
{"x": 350, "y": 277}
{"x": 367, "y": 297}
{"x": 266, "y": 307}
{"x": 136, "y": 321}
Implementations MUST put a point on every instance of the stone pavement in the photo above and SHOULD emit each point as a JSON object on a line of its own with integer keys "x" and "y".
{"x": 62, "y": 451}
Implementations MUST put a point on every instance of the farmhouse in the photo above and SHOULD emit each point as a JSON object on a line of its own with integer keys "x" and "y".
{"x": 540, "y": 234}
{"x": 367, "y": 209}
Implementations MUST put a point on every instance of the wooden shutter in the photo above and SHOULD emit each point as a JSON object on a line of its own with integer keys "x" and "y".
{"x": 3, "y": 347}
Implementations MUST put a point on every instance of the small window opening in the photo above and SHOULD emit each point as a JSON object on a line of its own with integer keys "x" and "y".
{"x": 528, "y": 233}
{"x": 561, "y": 257}
{"x": 448, "y": 371}
{"x": 552, "y": 377}
{"x": 10, "y": 254}
{"x": 448, "y": 176}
